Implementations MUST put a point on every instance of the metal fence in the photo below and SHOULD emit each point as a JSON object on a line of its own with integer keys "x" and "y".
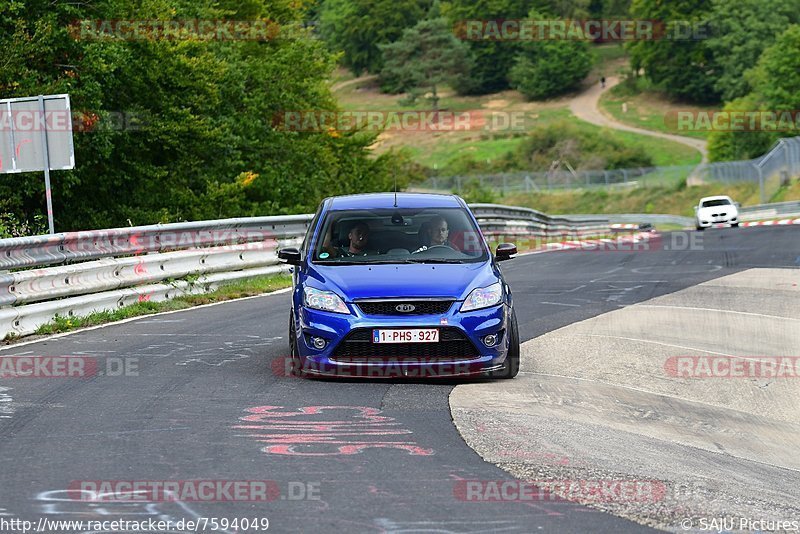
{"x": 770, "y": 171}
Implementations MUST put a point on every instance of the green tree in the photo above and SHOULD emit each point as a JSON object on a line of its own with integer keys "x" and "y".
{"x": 544, "y": 69}
{"x": 357, "y": 28}
{"x": 207, "y": 108}
{"x": 741, "y": 32}
{"x": 727, "y": 145}
{"x": 776, "y": 87}
{"x": 609, "y": 9}
{"x": 492, "y": 58}
{"x": 568, "y": 9}
{"x": 683, "y": 68}
{"x": 426, "y": 57}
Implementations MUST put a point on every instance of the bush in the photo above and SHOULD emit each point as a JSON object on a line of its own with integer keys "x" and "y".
{"x": 544, "y": 69}
{"x": 583, "y": 149}
{"x": 473, "y": 191}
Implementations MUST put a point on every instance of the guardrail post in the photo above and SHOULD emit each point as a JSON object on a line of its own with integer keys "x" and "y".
{"x": 762, "y": 194}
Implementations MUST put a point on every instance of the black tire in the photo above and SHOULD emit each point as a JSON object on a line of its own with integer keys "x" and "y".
{"x": 734, "y": 225}
{"x": 700, "y": 228}
{"x": 297, "y": 366}
{"x": 511, "y": 365}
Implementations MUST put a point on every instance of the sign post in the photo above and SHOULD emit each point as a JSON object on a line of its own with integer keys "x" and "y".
{"x": 21, "y": 150}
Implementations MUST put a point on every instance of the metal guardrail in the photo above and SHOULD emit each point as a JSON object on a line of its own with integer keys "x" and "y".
{"x": 108, "y": 269}
{"x": 80, "y": 246}
{"x": 104, "y": 270}
{"x": 766, "y": 211}
{"x": 640, "y": 218}
{"x": 496, "y": 220}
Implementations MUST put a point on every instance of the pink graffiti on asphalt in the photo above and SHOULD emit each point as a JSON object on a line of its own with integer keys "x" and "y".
{"x": 325, "y": 430}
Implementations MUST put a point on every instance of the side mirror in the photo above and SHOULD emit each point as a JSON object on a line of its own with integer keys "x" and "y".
{"x": 289, "y": 255}
{"x": 695, "y": 208}
{"x": 737, "y": 204}
{"x": 505, "y": 251}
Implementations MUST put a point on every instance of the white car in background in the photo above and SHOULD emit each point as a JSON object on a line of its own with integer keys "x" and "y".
{"x": 716, "y": 210}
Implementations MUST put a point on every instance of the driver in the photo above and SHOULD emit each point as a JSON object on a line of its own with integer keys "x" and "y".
{"x": 358, "y": 237}
{"x": 435, "y": 234}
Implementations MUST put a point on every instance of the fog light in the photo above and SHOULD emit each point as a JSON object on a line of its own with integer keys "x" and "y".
{"x": 490, "y": 340}
{"x": 318, "y": 343}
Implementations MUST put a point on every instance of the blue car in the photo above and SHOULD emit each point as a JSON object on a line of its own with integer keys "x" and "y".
{"x": 402, "y": 285}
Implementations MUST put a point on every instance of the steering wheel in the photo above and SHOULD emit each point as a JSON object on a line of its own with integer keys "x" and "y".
{"x": 433, "y": 246}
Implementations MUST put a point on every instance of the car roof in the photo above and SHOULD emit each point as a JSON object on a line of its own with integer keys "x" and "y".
{"x": 386, "y": 200}
{"x": 717, "y": 197}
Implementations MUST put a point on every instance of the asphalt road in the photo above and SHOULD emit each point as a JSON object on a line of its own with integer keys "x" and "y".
{"x": 373, "y": 457}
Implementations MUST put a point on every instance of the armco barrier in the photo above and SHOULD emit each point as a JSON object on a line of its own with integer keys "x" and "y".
{"x": 108, "y": 269}
{"x": 767, "y": 211}
{"x": 80, "y": 246}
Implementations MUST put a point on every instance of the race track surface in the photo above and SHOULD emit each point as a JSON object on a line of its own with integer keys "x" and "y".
{"x": 345, "y": 455}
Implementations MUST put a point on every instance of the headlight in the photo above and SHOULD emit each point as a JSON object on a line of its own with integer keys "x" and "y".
{"x": 324, "y": 300}
{"x": 483, "y": 297}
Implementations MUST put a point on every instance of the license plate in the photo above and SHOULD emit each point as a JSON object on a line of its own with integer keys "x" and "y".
{"x": 406, "y": 335}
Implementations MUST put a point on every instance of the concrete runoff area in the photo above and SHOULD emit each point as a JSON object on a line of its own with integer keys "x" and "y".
{"x": 610, "y": 398}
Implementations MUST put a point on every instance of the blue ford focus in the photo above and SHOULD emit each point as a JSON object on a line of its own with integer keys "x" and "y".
{"x": 400, "y": 285}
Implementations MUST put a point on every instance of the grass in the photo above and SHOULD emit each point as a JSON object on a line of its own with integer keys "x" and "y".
{"x": 234, "y": 290}
{"x": 648, "y": 110}
{"x": 436, "y": 149}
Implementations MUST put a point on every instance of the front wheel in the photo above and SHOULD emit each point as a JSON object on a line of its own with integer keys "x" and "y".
{"x": 511, "y": 365}
{"x": 734, "y": 225}
{"x": 297, "y": 366}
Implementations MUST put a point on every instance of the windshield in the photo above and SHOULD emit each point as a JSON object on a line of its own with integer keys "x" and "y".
{"x": 399, "y": 235}
{"x": 716, "y": 202}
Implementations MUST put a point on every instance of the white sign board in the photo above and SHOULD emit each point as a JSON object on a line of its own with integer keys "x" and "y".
{"x": 34, "y": 131}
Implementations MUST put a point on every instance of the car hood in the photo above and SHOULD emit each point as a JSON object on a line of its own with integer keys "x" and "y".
{"x": 408, "y": 280}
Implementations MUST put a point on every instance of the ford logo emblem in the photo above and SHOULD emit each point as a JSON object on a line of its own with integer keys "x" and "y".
{"x": 405, "y": 308}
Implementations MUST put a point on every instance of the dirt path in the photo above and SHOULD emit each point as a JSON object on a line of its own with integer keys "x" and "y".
{"x": 342, "y": 85}
{"x": 585, "y": 107}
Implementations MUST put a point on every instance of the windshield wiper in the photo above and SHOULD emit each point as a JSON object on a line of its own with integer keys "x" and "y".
{"x": 434, "y": 260}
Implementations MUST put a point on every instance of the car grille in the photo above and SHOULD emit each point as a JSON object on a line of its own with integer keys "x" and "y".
{"x": 719, "y": 214}
{"x": 389, "y": 307}
{"x": 452, "y": 344}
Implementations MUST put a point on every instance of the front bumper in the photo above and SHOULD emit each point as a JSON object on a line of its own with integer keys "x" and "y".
{"x": 348, "y": 351}
{"x": 717, "y": 221}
